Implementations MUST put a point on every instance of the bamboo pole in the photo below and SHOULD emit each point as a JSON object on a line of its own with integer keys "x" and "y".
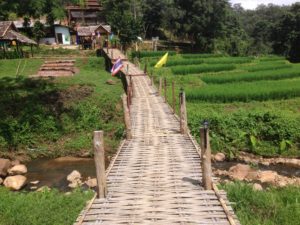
{"x": 127, "y": 117}
{"x": 100, "y": 163}
{"x": 206, "y": 158}
{"x": 173, "y": 97}
{"x": 165, "y": 87}
{"x": 183, "y": 115}
{"x": 160, "y": 86}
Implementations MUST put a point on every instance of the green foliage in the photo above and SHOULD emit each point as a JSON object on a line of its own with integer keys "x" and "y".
{"x": 38, "y": 30}
{"x": 194, "y": 69}
{"x": 278, "y": 206}
{"x": 263, "y": 67}
{"x": 253, "y": 76}
{"x": 35, "y": 208}
{"x": 245, "y": 92}
{"x": 143, "y": 54}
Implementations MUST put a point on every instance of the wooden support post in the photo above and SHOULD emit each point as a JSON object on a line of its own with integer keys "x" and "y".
{"x": 183, "y": 115}
{"x": 100, "y": 163}
{"x": 132, "y": 89}
{"x": 127, "y": 117}
{"x": 112, "y": 54}
{"x": 206, "y": 158}
{"x": 145, "y": 68}
{"x": 129, "y": 91}
{"x": 127, "y": 70}
{"x": 31, "y": 50}
{"x": 160, "y": 86}
{"x": 165, "y": 87}
{"x": 152, "y": 80}
{"x": 173, "y": 97}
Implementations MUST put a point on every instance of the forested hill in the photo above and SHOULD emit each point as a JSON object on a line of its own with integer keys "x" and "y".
{"x": 210, "y": 26}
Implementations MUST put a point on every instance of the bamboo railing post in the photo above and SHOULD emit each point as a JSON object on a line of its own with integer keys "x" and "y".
{"x": 183, "y": 115}
{"x": 160, "y": 86}
{"x": 127, "y": 117}
{"x": 206, "y": 157}
{"x": 145, "y": 68}
{"x": 152, "y": 79}
{"x": 112, "y": 54}
{"x": 165, "y": 87}
{"x": 100, "y": 163}
{"x": 173, "y": 97}
{"x": 132, "y": 93}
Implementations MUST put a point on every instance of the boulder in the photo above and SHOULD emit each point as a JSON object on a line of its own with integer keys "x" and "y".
{"x": 267, "y": 176}
{"x": 17, "y": 170}
{"x": 1, "y": 180}
{"x": 15, "y": 162}
{"x": 239, "y": 172}
{"x": 35, "y": 182}
{"x": 257, "y": 187}
{"x": 110, "y": 82}
{"x": 5, "y": 164}
{"x": 15, "y": 183}
{"x": 91, "y": 182}
{"x": 219, "y": 157}
{"x": 43, "y": 189}
{"x": 74, "y": 176}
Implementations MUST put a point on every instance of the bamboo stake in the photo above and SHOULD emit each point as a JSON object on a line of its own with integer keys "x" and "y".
{"x": 160, "y": 86}
{"x": 165, "y": 87}
{"x": 127, "y": 118}
{"x": 206, "y": 158}
{"x": 100, "y": 163}
{"x": 173, "y": 97}
{"x": 183, "y": 116}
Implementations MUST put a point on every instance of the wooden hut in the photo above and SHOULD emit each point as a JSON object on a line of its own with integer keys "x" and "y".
{"x": 10, "y": 37}
{"x": 92, "y": 36}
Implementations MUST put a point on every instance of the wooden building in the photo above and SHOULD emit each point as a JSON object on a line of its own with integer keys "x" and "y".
{"x": 88, "y": 14}
{"x": 10, "y": 39}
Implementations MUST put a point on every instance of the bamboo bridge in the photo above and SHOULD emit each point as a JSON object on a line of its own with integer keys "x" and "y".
{"x": 155, "y": 177}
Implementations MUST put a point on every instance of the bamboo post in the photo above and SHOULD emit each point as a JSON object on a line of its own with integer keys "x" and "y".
{"x": 173, "y": 96}
{"x": 145, "y": 68}
{"x": 127, "y": 117}
{"x": 160, "y": 86}
{"x": 100, "y": 163}
{"x": 127, "y": 69}
{"x": 131, "y": 89}
{"x": 165, "y": 87}
{"x": 112, "y": 54}
{"x": 183, "y": 115}
{"x": 206, "y": 157}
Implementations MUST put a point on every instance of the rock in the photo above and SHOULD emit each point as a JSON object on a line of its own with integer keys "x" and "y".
{"x": 15, "y": 182}
{"x": 68, "y": 193}
{"x": 220, "y": 157}
{"x": 74, "y": 176}
{"x": 17, "y": 170}
{"x": 221, "y": 173}
{"x": 252, "y": 175}
{"x": 265, "y": 163}
{"x": 35, "y": 182}
{"x": 239, "y": 172}
{"x": 1, "y": 180}
{"x": 257, "y": 187}
{"x": 15, "y": 162}
{"x": 43, "y": 189}
{"x": 75, "y": 184}
{"x": 5, "y": 164}
{"x": 110, "y": 82}
{"x": 267, "y": 176}
{"x": 282, "y": 183}
{"x": 91, "y": 182}
{"x": 33, "y": 188}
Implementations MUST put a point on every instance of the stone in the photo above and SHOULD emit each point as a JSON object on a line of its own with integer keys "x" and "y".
{"x": 35, "y": 182}
{"x": 239, "y": 171}
{"x": 15, "y": 162}
{"x": 74, "y": 176}
{"x": 219, "y": 157}
{"x": 257, "y": 187}
{"x": 267, "y": 176}
{"x": 265, "y": 163}
{"x": 75, "y": 184}
{"x": 33, "y": 188}
{"x": 282, "y": 183}
{"x": 43, "y": 189}
{"x": 91, "y": 182}
{"x": 1, "y": 180}
{"x": 15, "y": 183}
{"x": 252, "y": 175}
{"x": 17, "y": 170}
{"x": 5, "y": 164}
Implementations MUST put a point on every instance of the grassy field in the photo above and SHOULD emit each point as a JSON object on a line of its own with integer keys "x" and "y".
{"x": 36, "y": 208}
{"x": 252, "y": 103}
{"x": 56, "y": 117}
{"x": 273, "y": 206}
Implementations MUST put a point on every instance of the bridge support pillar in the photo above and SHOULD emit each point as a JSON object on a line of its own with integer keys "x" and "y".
{"x": 206, "y": 157}
{"x": 127, "y": 117}
{"x": 183, "y": 114}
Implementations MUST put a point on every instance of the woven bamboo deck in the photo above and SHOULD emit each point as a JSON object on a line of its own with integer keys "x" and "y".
{"x": 155, "y": 178}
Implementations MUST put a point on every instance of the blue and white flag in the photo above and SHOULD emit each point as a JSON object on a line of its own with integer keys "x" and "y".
{"x": 116, "y": 67}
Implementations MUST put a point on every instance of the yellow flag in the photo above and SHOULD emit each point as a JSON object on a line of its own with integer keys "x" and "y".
{"x": 162, "y": 61}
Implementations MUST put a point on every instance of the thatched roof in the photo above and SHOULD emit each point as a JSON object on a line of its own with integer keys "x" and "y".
{"x": 89, "y": 30}
{"x": 9, "y": 32}
{"x": 89, "y": 4}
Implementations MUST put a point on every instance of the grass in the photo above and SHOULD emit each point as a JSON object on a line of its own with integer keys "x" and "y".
{"x": 246, "y": 92}
{"x": 204, "y": 68}
{"x": 36, "y": 208}
{"x": 56, "y": 117}
{"x": 271, "y": 207}
{"x": 254, "y": 76}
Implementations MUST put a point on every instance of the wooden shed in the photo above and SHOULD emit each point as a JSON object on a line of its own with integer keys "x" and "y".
{"x": 11, "y": 38}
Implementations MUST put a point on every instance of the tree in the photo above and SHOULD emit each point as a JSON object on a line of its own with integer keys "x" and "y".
{"x": 38, "y": 31}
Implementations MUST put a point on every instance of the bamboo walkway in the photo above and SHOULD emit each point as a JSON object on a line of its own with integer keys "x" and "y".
{"x": 155, "y": 177}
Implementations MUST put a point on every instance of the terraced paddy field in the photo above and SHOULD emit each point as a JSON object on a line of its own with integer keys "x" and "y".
{"x": 252, "y": 103}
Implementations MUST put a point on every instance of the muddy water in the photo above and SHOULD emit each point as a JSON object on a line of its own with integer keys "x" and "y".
{"x": 53, "y": 172}
{"x": 280, "y": 169}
